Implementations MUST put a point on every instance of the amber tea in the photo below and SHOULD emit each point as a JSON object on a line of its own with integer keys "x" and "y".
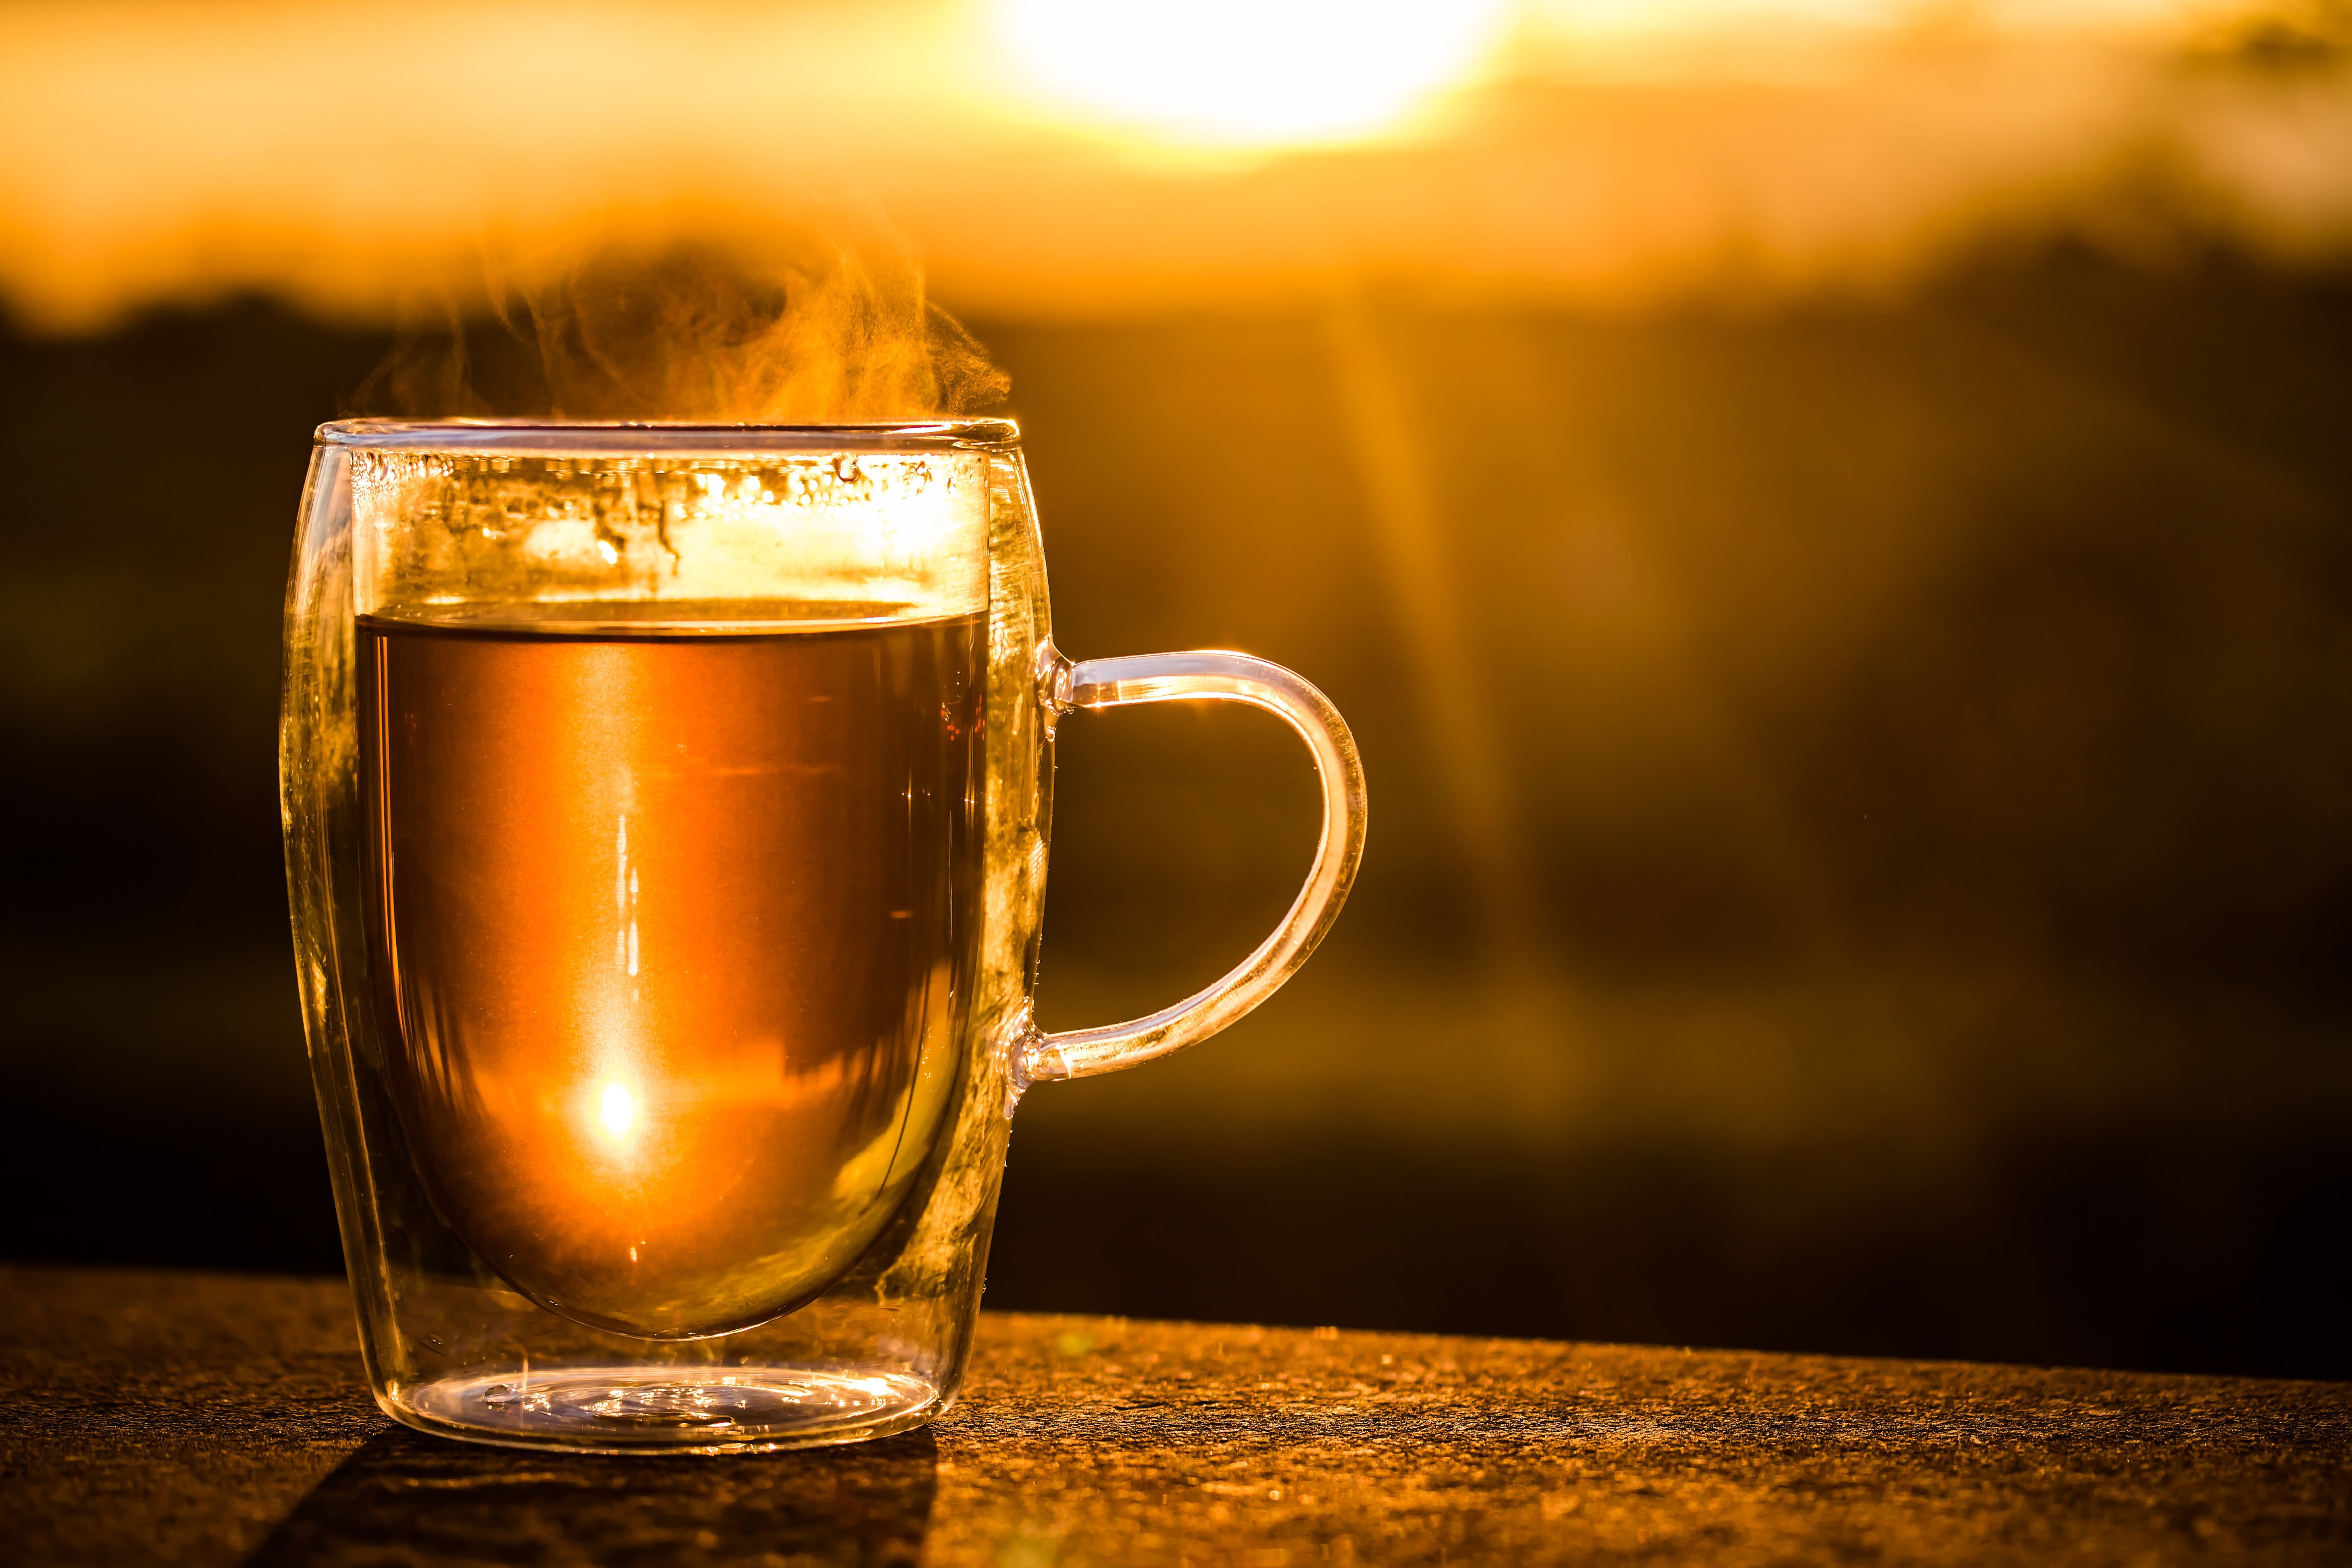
{"x": 665, "y": 822}
{"x": 671, "y": 932}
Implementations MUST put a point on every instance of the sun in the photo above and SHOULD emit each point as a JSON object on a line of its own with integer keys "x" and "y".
{"x": 1249, "y": 73}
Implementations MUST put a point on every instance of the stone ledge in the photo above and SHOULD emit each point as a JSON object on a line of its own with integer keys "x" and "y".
{"x": 204, "y": 1420}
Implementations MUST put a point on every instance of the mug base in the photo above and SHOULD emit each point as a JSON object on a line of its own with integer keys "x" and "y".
{"x": 668, "y": 1410}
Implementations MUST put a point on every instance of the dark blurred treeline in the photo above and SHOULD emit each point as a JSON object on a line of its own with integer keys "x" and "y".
{"x": 1862, "y": 851}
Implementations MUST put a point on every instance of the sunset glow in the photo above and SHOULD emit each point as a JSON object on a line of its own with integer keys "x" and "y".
{"x": 1249, "y": 72}
{"x": 1056, "y": 158}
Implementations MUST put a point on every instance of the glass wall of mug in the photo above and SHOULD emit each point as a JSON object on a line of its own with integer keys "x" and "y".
{"x": 665, "y": 814}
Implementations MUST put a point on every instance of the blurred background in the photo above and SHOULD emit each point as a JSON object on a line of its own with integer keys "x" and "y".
{"x": 1831, "y": 521}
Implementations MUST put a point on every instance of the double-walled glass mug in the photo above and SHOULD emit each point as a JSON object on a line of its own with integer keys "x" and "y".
{"x": 665, "y": 814}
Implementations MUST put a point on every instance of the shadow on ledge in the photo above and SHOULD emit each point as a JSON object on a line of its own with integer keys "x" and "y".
{"x": 407, "y": 1498}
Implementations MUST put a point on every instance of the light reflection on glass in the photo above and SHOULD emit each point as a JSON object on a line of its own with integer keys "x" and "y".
{"x": 617, "y": 1109}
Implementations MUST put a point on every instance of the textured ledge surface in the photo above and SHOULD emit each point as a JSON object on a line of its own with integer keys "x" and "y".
{"x": 202, "y": 1419}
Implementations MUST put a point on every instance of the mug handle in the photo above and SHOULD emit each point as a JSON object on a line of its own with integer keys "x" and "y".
{"x": 1212, "y": 677}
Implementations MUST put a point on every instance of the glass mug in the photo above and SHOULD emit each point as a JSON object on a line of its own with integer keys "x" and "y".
{"x": 665, "y": 814}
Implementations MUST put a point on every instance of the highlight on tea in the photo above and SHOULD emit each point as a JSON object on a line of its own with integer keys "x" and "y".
{"x": 670, "y": 849}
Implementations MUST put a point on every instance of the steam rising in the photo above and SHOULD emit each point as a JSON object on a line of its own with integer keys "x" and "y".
{"x": 828, "y": 325}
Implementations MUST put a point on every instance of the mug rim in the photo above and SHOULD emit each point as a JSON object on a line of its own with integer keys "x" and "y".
{"x": 648, "y": 437}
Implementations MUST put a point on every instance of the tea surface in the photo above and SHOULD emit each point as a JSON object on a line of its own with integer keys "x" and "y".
{"x": 672, "y": 936}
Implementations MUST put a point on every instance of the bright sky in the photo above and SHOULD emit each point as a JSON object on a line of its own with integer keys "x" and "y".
{"x": 1078, "y": 155}
{"x": 1643, "y": 15}
{"x": 1248, "y": 73}
{"x": 1259, "y": 73}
